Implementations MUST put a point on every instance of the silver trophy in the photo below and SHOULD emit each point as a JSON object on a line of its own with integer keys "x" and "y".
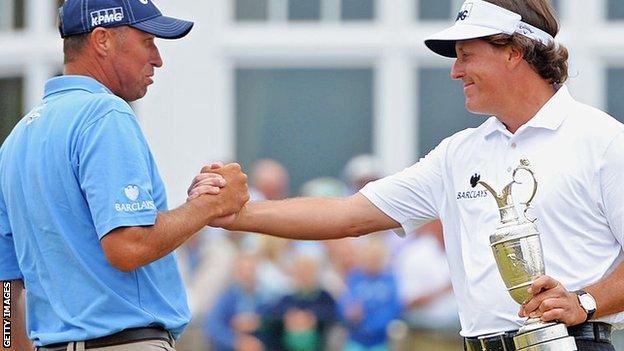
{"x": 518, "y": 252}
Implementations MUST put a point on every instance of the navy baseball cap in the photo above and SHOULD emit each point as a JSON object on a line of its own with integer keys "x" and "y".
{"x": 82, "y": 16}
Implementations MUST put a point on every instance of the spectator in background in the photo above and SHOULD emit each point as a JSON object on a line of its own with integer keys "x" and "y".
{"x": 302, "y": 318}
{"x": 337, "y": 259}
{"x": 273, "y": 279}
{"x": 371, "y": 301}
{"x": 235, "y": 322}
{"x": 425, "y": 289}
{"x": 205, "y": 262}
{"x": 270, "y": 178}
{"x": 361, "y": 170}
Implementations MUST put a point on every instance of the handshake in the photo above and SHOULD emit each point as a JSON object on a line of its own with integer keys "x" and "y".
{"x": 221, "y": 189}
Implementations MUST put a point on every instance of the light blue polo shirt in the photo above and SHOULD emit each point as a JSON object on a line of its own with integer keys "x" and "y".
{"x": 73, "y": 169}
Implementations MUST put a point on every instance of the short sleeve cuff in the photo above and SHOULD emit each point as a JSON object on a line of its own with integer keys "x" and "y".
{"x": 9, "y": 268}
{"x": 407, "y": 226}
{"x": 143, "y": 220}
{"x": 10, "y": 274}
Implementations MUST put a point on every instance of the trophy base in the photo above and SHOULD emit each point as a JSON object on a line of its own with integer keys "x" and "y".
{"x": 538, "y": 336}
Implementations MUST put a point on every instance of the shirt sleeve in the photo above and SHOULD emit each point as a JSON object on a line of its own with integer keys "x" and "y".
{"x": 611, "y": 179}
{"x": 412, "y": 196}
{"x": 115, "y": 173}
{"x": 9, "y": 268}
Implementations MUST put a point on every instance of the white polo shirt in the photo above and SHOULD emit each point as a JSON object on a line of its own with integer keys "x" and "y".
{"x": 577, "y": 154}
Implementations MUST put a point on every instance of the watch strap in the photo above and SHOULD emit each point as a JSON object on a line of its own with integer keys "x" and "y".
{"x": 590, "y": 313}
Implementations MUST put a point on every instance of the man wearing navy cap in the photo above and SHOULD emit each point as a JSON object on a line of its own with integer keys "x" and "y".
{"x": 83, "y": 211}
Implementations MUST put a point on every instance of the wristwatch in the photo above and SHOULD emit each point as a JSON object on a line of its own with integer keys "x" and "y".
{"x": 588, "y": 303}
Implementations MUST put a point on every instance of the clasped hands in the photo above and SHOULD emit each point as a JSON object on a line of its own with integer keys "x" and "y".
{"x": 551, "y": 301}
{"x": 228, "y": 184}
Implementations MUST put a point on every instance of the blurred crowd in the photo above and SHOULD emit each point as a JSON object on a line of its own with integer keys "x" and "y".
{"x": 250, "y": 292}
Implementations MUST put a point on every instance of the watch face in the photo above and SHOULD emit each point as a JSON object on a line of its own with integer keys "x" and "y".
{"x": 587, "y": 301}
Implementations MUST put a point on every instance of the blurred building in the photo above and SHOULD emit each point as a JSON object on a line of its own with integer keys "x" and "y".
{"x": 310, "y": 83}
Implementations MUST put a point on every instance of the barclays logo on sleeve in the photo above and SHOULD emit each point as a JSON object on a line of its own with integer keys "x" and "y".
{"x": 132, "y": 193}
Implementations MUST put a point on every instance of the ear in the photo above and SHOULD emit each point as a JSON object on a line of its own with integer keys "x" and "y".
{"x": 514, "y": 56}
{"x": 101, "y": 40}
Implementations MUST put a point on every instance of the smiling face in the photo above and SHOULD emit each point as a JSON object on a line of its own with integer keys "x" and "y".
{"x": 483, "y": 70}
{"x": 134, "y": 59}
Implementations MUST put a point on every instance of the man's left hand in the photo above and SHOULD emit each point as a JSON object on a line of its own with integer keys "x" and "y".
{"x": 551, "y": 301}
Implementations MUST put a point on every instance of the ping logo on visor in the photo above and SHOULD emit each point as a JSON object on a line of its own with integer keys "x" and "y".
{"x": 464, "y": 12}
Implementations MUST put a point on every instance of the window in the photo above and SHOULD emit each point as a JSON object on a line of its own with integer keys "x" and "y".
{"x": 557, "y": 5}
{"x": 313, "y": 120}
{"x": 11, "y": 14}
{"x": 615, "y": 10}
{"x": 435, "y": 9}
{"x": 615, "y": 93}
{"x": 446, "y": 9}
{"x": 441, "y": 108}
{"x": 357, "y": 10}
{"x": 304, "y": 10}
{"x": 251, "y": 10}
{"x": 11, "y": 102}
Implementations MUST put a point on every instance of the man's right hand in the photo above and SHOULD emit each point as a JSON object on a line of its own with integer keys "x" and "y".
{"x": 231, "y": 198}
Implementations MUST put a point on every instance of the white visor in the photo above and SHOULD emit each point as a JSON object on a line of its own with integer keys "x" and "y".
{"x": 478, "y": 19}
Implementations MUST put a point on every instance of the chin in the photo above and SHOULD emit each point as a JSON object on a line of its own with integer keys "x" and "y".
{"x": 476, "y": 109}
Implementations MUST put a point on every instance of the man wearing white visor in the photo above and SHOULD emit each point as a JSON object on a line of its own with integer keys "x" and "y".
{"x": 512, "y": 69}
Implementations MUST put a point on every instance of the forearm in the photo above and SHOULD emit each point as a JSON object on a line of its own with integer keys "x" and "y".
{"x": 608, "y": 293}
{"x": 313, "y": 218}
{"x": 15, "y": 338}
{"x": 128, "y": 248}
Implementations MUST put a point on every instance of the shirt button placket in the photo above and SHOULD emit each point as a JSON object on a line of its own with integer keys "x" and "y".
{"x": 513, "y": 146}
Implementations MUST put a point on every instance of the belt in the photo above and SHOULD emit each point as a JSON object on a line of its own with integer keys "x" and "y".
{"x": 502, "y": 341}
{"x": 592, "y": 331}
{"x": 123, "y": 337}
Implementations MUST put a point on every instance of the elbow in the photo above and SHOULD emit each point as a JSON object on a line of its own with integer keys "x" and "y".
{"x": 123, "y": 255}
{"x": 123, "y": 262}
{"x": 356, "y": 230}
{"x": 124, "y": 266}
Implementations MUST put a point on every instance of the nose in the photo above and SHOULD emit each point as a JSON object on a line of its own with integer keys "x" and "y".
{"x": 457, "y": 71}
{"x": 156, "y": 59}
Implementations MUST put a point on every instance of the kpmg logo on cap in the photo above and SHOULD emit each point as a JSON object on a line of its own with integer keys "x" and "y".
{"x": 105, "y": 16}
{"x": 464, "y": 12}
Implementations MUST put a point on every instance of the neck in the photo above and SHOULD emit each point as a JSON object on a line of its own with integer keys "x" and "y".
{"x": 87, "y": 66}
{"x": 526, "y": 98}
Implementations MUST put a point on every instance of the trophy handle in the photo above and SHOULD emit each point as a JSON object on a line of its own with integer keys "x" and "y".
{"x": 524, "y": 165}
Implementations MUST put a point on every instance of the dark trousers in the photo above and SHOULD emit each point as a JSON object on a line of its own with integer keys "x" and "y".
{"x": 587, "y": 345}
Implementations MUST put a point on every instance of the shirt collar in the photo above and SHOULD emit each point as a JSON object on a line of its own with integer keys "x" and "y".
{"x": 550, "y": 116}
{"x": 65, "y": 83}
